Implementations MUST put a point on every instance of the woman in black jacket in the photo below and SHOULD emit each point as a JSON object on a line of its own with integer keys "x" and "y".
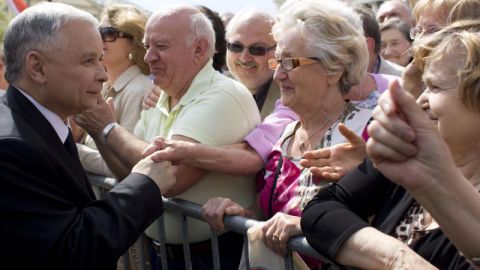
{"x": 410, "y": 229}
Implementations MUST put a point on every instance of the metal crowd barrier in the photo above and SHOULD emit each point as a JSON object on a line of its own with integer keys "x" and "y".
{"x": 232, "y": 223}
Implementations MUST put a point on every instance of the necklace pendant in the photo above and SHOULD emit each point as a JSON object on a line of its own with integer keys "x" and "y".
{"x": 302, "y": 147}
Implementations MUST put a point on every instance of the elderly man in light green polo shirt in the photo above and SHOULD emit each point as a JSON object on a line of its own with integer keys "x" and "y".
{"x": 197, "y": 105}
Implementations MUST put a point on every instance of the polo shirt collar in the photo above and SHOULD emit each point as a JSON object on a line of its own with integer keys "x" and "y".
{"x": 198, "y": 85}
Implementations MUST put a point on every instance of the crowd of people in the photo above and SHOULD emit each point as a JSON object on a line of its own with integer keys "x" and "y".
{"x": 352, "y": 127}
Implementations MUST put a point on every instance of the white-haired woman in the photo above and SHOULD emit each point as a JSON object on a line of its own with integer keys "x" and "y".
{"x": 321, "y": 52}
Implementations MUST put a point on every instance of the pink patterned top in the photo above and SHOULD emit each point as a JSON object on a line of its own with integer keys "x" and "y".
{"x": 295, "y": 185}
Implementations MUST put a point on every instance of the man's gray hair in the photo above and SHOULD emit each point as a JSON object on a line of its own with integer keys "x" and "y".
{"x": 38, "y": 28}
{"x": 202, "y": 28}
{"x": 246, "y": 14}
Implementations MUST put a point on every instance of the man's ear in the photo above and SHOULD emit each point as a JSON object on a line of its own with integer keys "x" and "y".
{"x": 35, "y": 67}
{"x": 370, "y": 44}
{"x": 201, "y": 48}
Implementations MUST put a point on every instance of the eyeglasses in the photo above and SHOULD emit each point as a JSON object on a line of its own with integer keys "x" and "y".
{"x": 290, "y": 63}
{"x": 416, "y": 32}
{"x": 253, "y": 50}
{"x": 110, "y": 34}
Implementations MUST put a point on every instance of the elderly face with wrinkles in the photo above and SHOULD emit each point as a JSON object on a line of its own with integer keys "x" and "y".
{"x": 252, "y": 34}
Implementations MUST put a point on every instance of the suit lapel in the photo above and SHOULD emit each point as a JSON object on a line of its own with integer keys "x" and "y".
{"x": 273, "y": 95}
{"x": 41, "y": 132}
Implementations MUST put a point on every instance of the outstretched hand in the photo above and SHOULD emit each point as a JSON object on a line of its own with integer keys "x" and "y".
{"x": 334, "y": 162}
{"x": 404, "y": 144}
{"x": 95, "y": 119}
{"x": 171, "y": 150}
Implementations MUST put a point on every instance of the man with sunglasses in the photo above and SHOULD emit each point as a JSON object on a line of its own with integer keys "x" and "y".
{"x": 198, "y": 105}
{"x": 249, "y": 46}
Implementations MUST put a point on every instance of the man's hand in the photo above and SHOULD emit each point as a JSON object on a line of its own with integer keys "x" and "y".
{"x": 96, "y": 118}
{"x": 172, "y": 150}
{"x": 215, "y": 209}
{"x": 151, "y": 98}
{"x": 162, "y": 173}
{"x": 334, "y": 162}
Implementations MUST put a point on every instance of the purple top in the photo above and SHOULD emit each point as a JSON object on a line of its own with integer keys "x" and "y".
{"x": 383, "y": 80}
{"x": 266, "y": 134}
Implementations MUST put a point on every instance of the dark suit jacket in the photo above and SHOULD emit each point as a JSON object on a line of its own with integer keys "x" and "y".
{"x": 342, "y": 209}
{"x": 49, "y": 218}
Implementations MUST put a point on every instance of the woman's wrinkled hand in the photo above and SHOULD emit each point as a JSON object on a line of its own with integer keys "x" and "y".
{"x": 404, "y": 144}
{"x": 332, "y": 163}
{"x": 279, "y": 229}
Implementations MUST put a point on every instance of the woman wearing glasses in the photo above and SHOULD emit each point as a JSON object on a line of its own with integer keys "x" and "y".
{"x": 122, "y": 28}
{"x": 321, "y": 52}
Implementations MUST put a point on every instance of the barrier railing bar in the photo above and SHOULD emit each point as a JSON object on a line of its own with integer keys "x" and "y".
{"x": 186, "y": 244}
{"x": 215, "y": 250}
{"x": 245, "y": 252}
{"x": 163, "y": 246}
{"x": 234, "y": 223}
{"x": 240, "y": 225}
{"x": 288, "y": 260}
{"x": 106, "y": 185}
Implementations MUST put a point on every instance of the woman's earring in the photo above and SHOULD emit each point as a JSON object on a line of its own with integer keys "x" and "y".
{"x": 130, "y": 57}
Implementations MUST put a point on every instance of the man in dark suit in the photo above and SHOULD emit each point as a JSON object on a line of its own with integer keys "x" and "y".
{"x": 49, "y": 218}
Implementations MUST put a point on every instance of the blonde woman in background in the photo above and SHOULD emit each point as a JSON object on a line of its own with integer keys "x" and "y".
{"x": 122, "y": 28}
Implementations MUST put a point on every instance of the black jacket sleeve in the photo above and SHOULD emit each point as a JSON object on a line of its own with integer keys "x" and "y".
{"x": 44, "y": 224}
{"x": 337, "y": 212}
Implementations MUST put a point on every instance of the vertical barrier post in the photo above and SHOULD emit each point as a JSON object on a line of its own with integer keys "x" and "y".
{"x": 215, "y": 251}
{"x": 163, "y": 246}
{"x": 289, "y": 260}
{"x": 186, "y": 244}
{"x": 245, "y": 251}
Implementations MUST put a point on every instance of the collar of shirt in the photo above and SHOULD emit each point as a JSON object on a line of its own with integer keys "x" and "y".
{"x": 261, "y": 94}
{"x": 199, "y": 84}
{"x": 57, "y": 123}
{"x": 126, "y": 77}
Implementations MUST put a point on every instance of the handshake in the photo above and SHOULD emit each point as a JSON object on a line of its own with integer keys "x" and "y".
{"x": 163, "y": 173}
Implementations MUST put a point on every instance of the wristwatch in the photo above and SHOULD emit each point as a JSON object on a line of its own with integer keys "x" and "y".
{"x": 106, "y": 130}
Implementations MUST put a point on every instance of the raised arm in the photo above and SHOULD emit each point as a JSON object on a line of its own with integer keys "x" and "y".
{"x": 427, "y": 170}
{"x": 234, "y": 159}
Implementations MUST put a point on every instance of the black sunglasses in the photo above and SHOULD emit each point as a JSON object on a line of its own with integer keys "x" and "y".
{"x": 253, "y": 50}
{"x": 110, "y": 34}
